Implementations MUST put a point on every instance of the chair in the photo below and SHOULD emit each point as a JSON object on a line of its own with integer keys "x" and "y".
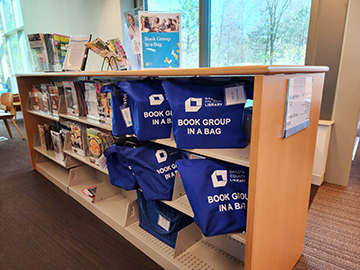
{"x": 6, "y": 101}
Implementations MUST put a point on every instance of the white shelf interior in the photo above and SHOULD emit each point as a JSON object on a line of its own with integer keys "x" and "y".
{"x": 54, "y": 172}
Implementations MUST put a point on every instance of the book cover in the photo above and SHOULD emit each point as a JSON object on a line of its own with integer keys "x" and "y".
{"x": 133, "y": 28}
{"x": 54, "y": 99}
{"x": 89, "y": 193}
{"x": 49, "y": 44}
{"x": 45, "y": 96}
{"x": 160, "y": 37}
{"x": 116, "y": 45}
{"x": 35, "y": 98}
{"x": 38, "y": 51}
{"x": 71, "y": 101}
{"x": 42, "y": 137}
{"x": 77, "y": 139}
{"x": 103, "y": 49}
{"x": 61, "y": 44}
{"x": 58, "y": 144}
{"x": 94, "y": 144}
{"x": 104, "y": 107}
{"x": 76, "y": 55}
{"x": 91, "y": 100}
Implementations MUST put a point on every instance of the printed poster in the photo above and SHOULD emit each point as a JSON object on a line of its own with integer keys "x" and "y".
{"x": 160, "y": 39}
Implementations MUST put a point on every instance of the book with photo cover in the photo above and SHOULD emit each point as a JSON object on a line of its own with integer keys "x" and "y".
{"x": 35, "y": 98}
{"x": 77, "y": 138}
{"x": 61, "y": 44}
{"x": 71, "y": 101}
{"x": 45, "y": 96}
{"x": 91, "y": 100}
{"x": 38, "y": 52}
{"x": 94, "y": 144}
{"x": 104, "y": 106}
{"x": 58, "y": 144}
{"x": 103, "y": 49}
{"x": 42, "y": 137}
{"x": 54, "y": 99}
{"x": 116, "y": 45}
{"x": 160, "y": 37}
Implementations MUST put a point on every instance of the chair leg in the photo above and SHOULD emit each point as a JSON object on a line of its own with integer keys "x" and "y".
{"x": 17, "y": 128}
{"x": 7, "y": 127}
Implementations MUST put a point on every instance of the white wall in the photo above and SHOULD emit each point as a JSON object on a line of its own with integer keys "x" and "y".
{"x": 347, "y": 102}
{"x": 101, "y": 18}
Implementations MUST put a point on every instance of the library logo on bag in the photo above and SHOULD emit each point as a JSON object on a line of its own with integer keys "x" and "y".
{"x": 193, "y": 104}
{"x": 219, "y": 178}
{"x": 161, "y": 155}
{"x": 156, "y": 99}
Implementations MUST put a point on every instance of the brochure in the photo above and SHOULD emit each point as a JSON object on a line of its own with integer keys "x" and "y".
{"x": 133, "y": 28}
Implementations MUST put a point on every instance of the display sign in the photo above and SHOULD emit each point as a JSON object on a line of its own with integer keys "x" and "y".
{"x": 297, "y": 105}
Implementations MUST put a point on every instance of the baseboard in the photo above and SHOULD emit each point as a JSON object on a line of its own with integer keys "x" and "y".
{"x": 317, "y": 179}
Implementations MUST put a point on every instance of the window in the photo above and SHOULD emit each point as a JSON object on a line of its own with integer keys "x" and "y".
{"x": 243, "y": 32}
{"x": 12, "y": 40}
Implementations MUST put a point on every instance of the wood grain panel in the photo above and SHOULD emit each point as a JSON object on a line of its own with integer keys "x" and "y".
{"x": 280, "y": 176}
{"x": 243, "y": 70}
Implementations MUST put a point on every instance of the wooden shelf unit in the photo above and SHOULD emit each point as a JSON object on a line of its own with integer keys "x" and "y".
{"x": 280, "y": 169}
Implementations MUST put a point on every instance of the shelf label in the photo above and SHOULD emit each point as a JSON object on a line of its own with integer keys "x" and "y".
{"x": 125, "y": 111}
{"x": 235, "y": 95}
{"x": 297, "y": 105}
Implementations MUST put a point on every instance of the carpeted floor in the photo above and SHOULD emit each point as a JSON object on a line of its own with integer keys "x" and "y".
{"x": 333, "y": 226}
{"x": 332, "y": 238}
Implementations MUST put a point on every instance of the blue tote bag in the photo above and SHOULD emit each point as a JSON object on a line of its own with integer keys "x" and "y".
{"x": 217, "y": 192}
{"x": 150, "y": 109}
{"x": 150, "y": 166}
{"x": 119, "y": 168}
{"x": 154, "y": 168}
{"x": 161, "y": 220}
{"x": 202, "y": 118}
{"x": 120, "y": 125}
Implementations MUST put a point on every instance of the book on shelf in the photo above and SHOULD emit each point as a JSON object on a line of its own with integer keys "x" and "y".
{"x": 42, "y": 137}
{"x": 80, "y": 95}
{"x": 78, "y": 138}
{"x": 54, "y": 99}
{"x": 160, "y": 38}
{"x": 77, "y": 53}
{"x": 94, "y": 142}
{"x": 105, "y": 51}
{"x": 70, "y": 98}
{"x": 104, "y": 106}
{"x": 35, "y": 98}
{"x": 98, "y": 141}
{"x": 58, "y": 144}
{"x": 91, "y": 99}
{"x": 89, "y": 193}
{"x": 45, "y": 96}
{"x": 47, "y": 131}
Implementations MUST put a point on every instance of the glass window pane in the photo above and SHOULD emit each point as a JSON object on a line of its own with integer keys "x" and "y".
{"x": 248, "y": 32}
{"x": 15, "y": 54}
{"x": 9, "y": 19}
{"x": 189, "y": 27}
